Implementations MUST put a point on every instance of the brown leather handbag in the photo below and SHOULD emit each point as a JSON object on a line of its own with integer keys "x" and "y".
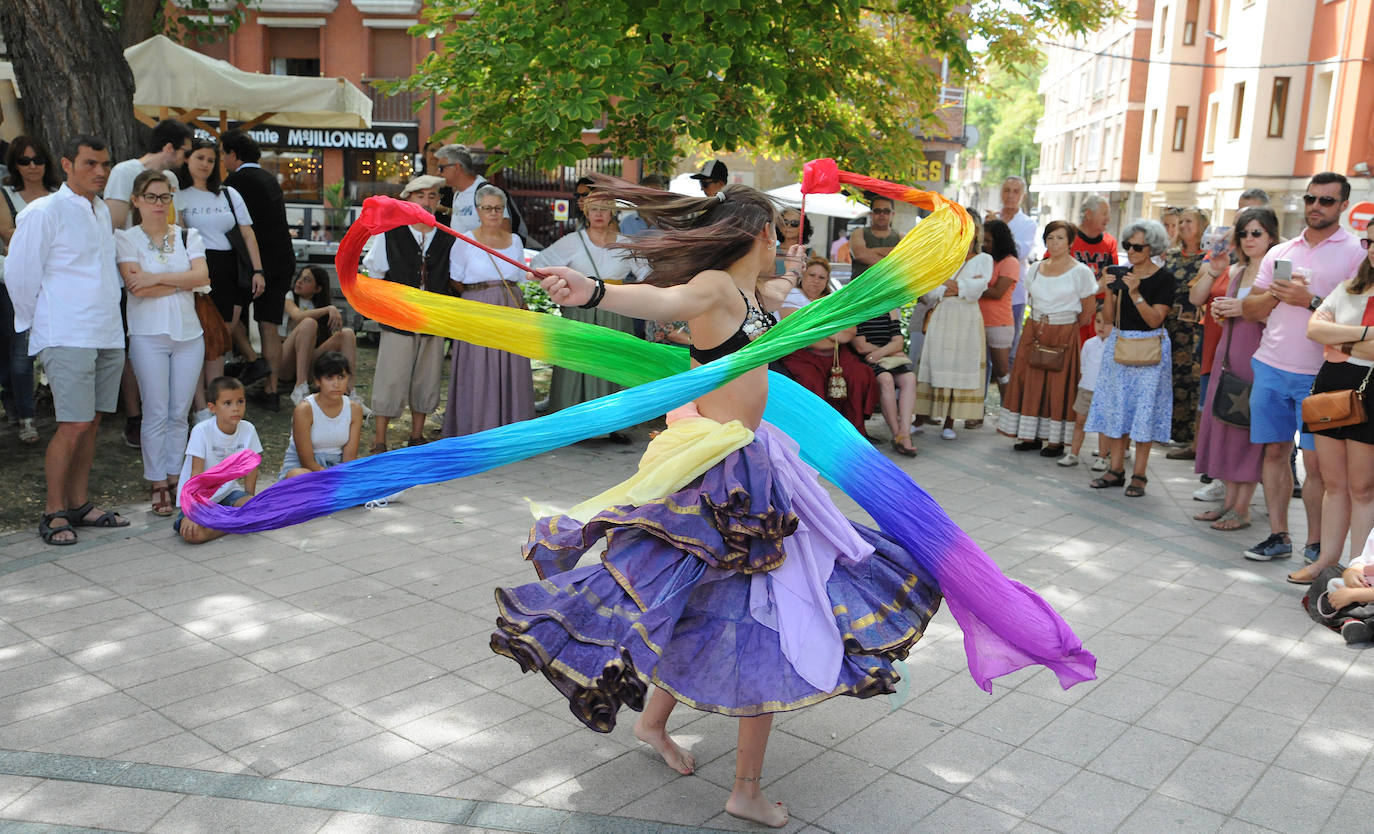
{"x": 1046, "y": 357}
{"x": 1335, "y": 409}
{"x": 1136, "y": 353}
{"x": 216, "y": 329}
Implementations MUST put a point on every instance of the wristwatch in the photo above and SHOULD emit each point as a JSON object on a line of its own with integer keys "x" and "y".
{"x": 257, "y": 272}
{"x": 1314, "y": 303}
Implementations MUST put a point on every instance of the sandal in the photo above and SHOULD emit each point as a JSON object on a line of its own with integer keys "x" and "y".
{"x": 1117, "y": 478}
{"x": 162, "y": 501}
{"x": 973, "y": 424}
{"x": 50, "y": 533}
{"x": 77, "y": 517}
{"x": 415, "y": 441}
{"x": 1294, "y": 579}
{"x": 1231, "y": 521}
{"x": 903, "y": 446}
{"x": 1212, "y": 515}
{"x": 1137, "y": 490}
{"x": 377, "y": 449}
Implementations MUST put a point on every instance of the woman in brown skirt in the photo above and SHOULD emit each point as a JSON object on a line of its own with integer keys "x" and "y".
{"x": 1038, "y": 409}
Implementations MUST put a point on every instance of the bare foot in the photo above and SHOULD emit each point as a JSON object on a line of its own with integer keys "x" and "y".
{"x": 756, "y": 809}
{"x": 674, "y": 756}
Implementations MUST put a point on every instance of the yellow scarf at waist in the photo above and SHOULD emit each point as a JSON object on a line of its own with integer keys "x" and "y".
{"x": 677, "y": 456}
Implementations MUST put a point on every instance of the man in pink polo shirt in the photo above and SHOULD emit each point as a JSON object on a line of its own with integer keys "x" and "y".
{"x": 1287, "y": 361}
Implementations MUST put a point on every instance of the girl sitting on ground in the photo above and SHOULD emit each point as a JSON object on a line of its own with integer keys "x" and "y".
{"x": 313, "y": 325}
{"x": 325, "y": 427}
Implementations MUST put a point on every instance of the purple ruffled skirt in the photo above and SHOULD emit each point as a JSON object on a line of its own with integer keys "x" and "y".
{"x": 729, "y": 593}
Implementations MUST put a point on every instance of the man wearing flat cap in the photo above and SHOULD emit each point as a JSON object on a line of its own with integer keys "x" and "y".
{"x": 713, "y": 177}
{"x": 409, "y": 364}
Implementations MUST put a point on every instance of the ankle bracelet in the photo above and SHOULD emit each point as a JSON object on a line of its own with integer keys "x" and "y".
{"x": 739, "y": 778}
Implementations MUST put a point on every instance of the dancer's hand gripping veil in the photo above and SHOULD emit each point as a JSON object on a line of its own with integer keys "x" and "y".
{"x": 1006, "y": 625}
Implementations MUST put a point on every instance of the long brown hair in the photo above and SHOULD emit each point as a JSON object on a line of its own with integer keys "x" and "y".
{"x": 699, "y": 233}
{"x": 1262, "y": 215}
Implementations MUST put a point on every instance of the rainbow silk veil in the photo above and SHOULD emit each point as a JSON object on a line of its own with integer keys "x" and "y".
{"x": 1006, "y": 625}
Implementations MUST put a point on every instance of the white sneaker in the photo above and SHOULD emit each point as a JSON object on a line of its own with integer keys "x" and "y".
{"x": 300, "y": 392}
{"x": 948, "y": 434}
{"x": 917, "y": 428}
{"x": 1215, "y": 491}
{"x": 201, "y": 416}
{"x": 1069, "y": 459}
{"x": 353, "y": 395}
{"x": 1100, "y": 464}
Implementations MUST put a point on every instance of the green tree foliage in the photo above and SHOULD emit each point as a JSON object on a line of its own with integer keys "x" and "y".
{"x": 849, "y": 79}
{"x": 1006, "y": 108}
{"x": 188, "y": 21}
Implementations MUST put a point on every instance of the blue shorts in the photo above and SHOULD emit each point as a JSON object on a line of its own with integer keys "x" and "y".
{"x": 1276, "y": 405}
{"x": 230, "y": 499}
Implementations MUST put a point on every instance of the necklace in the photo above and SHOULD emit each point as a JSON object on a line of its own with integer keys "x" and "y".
{"x": 163, "y": 250}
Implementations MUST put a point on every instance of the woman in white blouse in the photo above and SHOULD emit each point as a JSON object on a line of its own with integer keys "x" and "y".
{"x": 162, "y": 265}
{"x": 587, "y": 251}
{"x": 1038, "y": 407}
{"x": 954, "y": 365}
{"x": 487, "y": 387}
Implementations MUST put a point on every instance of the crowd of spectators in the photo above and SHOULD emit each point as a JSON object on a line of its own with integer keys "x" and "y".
{"x": 136, "y": 279}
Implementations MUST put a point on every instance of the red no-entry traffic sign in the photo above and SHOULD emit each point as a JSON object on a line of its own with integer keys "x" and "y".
{"x": 1361, "y": 214}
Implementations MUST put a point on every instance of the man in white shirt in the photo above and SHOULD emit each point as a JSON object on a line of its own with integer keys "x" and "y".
{"x": 168, "y": 147}
{"x": 409, "y": 365}
{"x": 1023, "y": 231}
{"x": 65, "y": 287}
{"x": 458, "y": 170}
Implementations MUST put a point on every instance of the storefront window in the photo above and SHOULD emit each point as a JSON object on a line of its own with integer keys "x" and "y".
{"x": 371, "y": 172}
{"x": 301, "y": 174}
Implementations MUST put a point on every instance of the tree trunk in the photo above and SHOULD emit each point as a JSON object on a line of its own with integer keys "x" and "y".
{"x": 71, "y": 73}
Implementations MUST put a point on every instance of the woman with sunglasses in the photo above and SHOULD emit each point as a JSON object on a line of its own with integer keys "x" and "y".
{"x": 1184, "y": 262}
{"x": 1134, "y": 402}
{"x": 32, "y": 176}
{"x": 792, "y": 229}
{"x": 215, "y": 211}
{"x": 162, "y": 265}
{"x": 1224, "y": 451}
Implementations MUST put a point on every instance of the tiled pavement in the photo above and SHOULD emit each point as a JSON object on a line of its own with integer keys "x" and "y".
{"x": 335, "y": 677}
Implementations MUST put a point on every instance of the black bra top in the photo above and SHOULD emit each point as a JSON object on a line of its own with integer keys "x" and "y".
{"x": 755, "y": 323}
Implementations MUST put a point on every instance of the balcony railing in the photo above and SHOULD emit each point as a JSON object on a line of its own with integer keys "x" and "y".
{"x": 951, "y": 96}
{"x": 399, "y": 107}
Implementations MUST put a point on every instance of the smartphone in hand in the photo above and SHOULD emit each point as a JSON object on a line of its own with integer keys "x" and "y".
{"x": 1283, "y": 271}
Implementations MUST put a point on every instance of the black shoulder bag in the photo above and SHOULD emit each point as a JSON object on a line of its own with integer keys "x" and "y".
{"x": 239, "y": 245}
{"x": 1231, "y": 402}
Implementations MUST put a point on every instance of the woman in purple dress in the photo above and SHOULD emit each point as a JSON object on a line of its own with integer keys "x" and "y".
{"x": 728, "y": 580}
{"x": 1224, "y": 451}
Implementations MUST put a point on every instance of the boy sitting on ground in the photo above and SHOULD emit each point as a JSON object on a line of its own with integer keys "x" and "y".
{"x": 211, "y": 442}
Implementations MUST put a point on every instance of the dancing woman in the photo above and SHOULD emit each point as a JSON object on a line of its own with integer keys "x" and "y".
{"x": 729, "y": 579}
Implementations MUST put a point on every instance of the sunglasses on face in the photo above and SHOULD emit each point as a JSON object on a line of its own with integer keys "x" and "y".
{"x": 26, "y": 161}
{"x": 582, "y": 195}
{"x": 1327, "y": 202}
{"x": 880, "y": 211}
{"x": 1254, "y": 233}
{"x": 164, "y": 199}
{"x": 793, "y": 223}
{"x": 1136, "y": 247}
{"x": 1364, "y": 242}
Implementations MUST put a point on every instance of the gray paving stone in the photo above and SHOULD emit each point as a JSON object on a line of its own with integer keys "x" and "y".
{"x": 97, "y": 806}
{"x": 1123, "y": 697}
{"x": 955, "y": 760}
{"x": 213, "y": 815}
{"x": 1019, "y": 782}
{"x": 1141, "y": 757}
{"x": 890, "y": 804}
{"x": 967, "y": 817}
{"x": 1294, "y": 802}
{"x": 1076, "y": 736}
{"x": 1088, "y": 803}
{"x": 1185, "y": 714}
{"x": 1213, "y": 779}
{"x": 1247, "y": 732}
{"x": 1159, "y": 813}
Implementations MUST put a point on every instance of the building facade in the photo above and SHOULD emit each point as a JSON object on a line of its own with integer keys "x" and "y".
{"x": 1232, "y": 95}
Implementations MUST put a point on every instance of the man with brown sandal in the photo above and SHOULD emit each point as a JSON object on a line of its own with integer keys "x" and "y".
{"x": 65, "y": 288}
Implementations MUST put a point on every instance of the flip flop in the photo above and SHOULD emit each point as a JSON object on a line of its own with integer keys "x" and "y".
{"x": 1211, "y": 515}
{"x": 1230, "y": 521}
{"x": 1302, "y": 582}
{"x": 903, "y": 446}
{"x": 76, "y": 516}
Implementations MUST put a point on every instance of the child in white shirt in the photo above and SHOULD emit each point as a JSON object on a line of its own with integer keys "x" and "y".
{"x": 1089, "y": 360}
{"x": 211, "y": 442}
